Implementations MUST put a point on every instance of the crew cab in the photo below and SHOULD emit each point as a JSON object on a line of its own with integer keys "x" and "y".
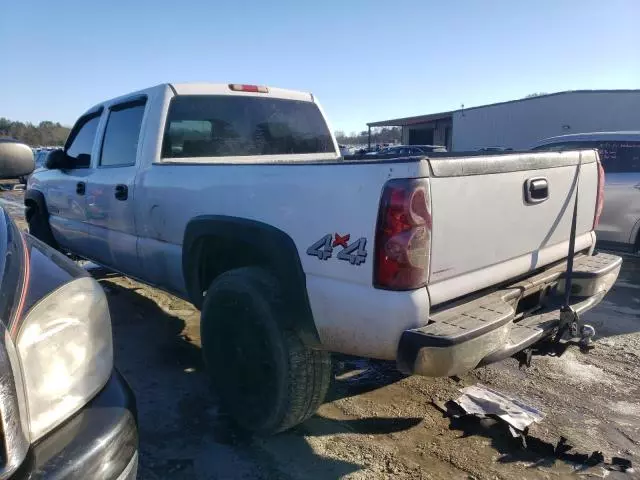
{"x": 236, "y": 197}
{"x": 65, "y": 412}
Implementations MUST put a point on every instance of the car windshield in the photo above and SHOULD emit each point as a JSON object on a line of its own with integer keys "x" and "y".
{"x": 230, "y": 125}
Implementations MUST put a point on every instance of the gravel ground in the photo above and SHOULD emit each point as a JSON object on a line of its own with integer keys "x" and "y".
{"x": 377, "y": 423}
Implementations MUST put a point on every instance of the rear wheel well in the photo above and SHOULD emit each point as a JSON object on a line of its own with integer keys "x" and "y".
{"x": 217, "y": 255}
{"x": 215, "y": 244}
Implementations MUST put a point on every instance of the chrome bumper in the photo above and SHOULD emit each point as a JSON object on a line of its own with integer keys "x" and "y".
{"x": 497, "y": 325}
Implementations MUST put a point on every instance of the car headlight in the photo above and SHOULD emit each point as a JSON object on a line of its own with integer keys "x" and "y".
{"x": 65, "y": 352}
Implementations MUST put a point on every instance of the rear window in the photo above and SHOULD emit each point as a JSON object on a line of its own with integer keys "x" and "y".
{"x": 230, "y": 125}
{"x": 616, "y": 156}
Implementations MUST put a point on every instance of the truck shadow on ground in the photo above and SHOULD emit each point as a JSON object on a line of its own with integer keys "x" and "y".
{"x": 183, "y": 434}
{"x": 355, "y": 376}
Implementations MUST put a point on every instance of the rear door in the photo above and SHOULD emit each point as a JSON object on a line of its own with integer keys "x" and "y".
{"x": 66, "y": 190}
{"x": 110, "y": 189}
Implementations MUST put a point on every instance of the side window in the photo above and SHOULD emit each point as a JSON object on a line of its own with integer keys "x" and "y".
{"x": 80, "y": 141}
{"x": 120, "y": 143}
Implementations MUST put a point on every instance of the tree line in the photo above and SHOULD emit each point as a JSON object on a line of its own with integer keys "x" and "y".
{"x": 43, "y": 134}
{"x": 378, "y": 136}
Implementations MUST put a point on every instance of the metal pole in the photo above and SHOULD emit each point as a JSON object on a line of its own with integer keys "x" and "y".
{"x": 369, "y": 146}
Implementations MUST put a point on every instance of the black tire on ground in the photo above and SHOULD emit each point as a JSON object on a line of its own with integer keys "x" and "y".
{"x": 266, "y": 378}
{"x": 39, "y": 226}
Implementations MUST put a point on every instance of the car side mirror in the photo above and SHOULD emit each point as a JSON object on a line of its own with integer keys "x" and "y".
{"x": 16, "y": 159}
{"x": 57, "y": 160}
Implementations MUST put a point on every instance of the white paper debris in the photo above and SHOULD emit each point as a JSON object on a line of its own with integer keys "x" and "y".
{"x": 481, "y": 400}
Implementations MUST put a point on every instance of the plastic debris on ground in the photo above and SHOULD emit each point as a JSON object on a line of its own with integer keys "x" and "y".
{"x": 481, "y": 400}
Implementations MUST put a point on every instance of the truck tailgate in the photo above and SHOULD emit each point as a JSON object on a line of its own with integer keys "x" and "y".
{"x": 485, "y": 231}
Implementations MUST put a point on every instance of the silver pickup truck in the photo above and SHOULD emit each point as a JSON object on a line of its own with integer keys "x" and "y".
{"x": 236, "y": 197}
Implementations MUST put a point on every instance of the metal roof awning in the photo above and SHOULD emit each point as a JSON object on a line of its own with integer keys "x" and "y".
{"x": 408, "y": 121}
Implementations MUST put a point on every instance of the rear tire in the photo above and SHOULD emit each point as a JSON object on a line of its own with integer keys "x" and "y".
{"x": 39, "y": 226}
{"x": 267, "y": 378}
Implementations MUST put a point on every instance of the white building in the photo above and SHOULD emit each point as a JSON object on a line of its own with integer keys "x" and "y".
{"x": 519, "y": 124}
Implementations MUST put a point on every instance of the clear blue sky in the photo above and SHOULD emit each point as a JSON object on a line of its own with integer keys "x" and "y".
{"x": 364, "y": 60}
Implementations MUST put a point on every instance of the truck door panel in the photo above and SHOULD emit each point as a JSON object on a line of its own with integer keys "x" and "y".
{"x": 110, "y": 190}
{"x": 66, "y": 190}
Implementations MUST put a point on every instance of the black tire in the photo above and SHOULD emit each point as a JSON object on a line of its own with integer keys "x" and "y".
{"x": 267, "y": 379}
{"x": 39, "y": 225}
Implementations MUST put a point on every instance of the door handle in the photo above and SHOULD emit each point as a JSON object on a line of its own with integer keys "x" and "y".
{"x": 122, "y": 192}
{"x": 536, "y": 190}
{"x": 81, "y": 187}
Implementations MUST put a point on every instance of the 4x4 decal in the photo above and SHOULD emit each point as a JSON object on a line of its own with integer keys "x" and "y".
{"x": 355, "y": 253}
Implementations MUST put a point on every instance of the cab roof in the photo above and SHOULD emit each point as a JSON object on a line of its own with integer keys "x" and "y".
{"x": 225, "y": 89}
{"x": 208, "y": 89}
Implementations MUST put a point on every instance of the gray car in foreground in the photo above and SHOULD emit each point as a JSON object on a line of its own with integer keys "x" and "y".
{"x": 619, "y": 153}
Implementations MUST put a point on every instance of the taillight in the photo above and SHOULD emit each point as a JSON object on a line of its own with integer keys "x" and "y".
{"x": 403, "y": 235}
{"x": 236, "y": 87}
{"x": 600, "y": 197}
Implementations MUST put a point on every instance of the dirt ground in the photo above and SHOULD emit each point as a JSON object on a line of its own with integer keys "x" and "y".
{"x": 377, "y": 423}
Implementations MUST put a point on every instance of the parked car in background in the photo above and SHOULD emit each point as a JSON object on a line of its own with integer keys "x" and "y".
{"x": 40, "y": 160}
{"x": 291, "y": 251}
{"x": 619, "y": 153}
{"x": 408, "y": 150}
{"x": 344, "y": 150}
{"x": 65, "y": 412}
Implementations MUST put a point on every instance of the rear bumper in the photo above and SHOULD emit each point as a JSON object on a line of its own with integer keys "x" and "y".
{"x": 497, "y": 325}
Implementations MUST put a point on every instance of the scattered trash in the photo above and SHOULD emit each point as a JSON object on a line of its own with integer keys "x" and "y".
{"x": 620, "y": 465}
{"x": 480, "y": 400}
{"x": 562, "y": 447}
{"x": 594, "y": 459}
{"x": 484, "y": 404}
{"x": 449, "y": 409}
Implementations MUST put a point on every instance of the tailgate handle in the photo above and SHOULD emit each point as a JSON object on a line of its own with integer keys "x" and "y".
{"x": 536, "y": 190}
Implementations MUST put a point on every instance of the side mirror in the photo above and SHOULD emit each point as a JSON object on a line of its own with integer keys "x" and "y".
{"x": 57, "y": 160}
{"x": 16, "y": 159}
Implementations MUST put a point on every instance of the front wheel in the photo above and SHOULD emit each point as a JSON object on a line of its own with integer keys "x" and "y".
{"x": 39, "y": 226}
{"x": 266, "y": 377}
